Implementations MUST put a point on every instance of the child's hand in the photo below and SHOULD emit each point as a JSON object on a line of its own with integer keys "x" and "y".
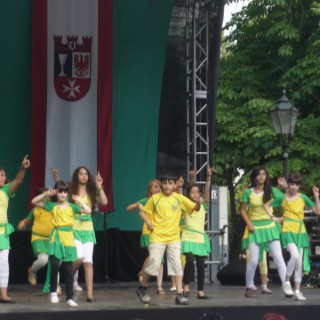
{"x": 50, "y": 193}
{"x": 180, "y": 182}
{"x": 282, "y": 183}
{"x": 55, "y": 174}
{"x": 149, "y": 225}
{"x": 192, "y": 173}
{"x": 75, "y": 198}
{"x": 25, "y": 163}
{"x": 315, "y": 190}
{"x": 21, "y": 225}
{"x": 99, "y": 180}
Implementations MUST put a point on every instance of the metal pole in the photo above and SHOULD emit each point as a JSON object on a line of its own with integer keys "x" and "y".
{"x": 285, "y": 149}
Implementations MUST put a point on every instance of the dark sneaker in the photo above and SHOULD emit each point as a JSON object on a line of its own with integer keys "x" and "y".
{"x": 142, "y": 294}
{"x": 249, "y": 293}
{"x": 181, "y": 299}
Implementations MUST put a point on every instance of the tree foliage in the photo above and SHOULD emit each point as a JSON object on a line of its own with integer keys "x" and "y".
{"x": 272, "y": 45}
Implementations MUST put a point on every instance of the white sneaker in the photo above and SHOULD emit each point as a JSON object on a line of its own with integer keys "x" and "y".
{"x": 54, "y": 297}
{"x": 298, "y": 295}
{"x": 287, "y": 289}
{"x": 76, "y": 287}
{"x": 72, "y": 303}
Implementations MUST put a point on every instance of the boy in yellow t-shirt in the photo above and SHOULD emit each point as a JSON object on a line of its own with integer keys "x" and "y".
{"x": 162, "y": 214}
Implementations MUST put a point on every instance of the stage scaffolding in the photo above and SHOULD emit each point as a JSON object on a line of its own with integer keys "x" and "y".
{"x": 191, "y": 20}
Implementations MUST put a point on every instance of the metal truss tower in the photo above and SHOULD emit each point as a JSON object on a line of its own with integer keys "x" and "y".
{"x": 197, "y": 50}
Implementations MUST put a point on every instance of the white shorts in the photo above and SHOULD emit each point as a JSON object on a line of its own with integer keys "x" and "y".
{"x": 156, "y": 252}
{"x": 84, "y": 251}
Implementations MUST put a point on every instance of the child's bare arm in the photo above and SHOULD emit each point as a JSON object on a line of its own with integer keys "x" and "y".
{"x": 206, "y": 195}
{"x": 16, "y": 183}
{"x": 41, "y": 198}
{"x": 84, "y": 207}
{"x": 101, "y": 195}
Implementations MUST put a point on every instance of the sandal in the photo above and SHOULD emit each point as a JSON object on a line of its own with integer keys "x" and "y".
{"x": 160, "y": 290}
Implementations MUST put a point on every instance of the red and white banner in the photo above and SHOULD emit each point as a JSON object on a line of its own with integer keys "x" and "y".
{"x": 71, "y": 90}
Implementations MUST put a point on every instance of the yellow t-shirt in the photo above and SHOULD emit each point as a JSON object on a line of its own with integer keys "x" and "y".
{"x": 166, "y": 213}
{"x": 4, "y": 202}
{"x": 42, "y": 223}
{"x": 84, "y": 225}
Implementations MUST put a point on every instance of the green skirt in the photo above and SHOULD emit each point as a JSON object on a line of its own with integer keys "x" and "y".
{"x": 198, "y": 249}
{"x": 265, "y": 231}
{"x": 40, "y": 246}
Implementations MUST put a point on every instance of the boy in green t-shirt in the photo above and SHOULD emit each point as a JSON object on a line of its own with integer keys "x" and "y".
{"x": 165, "y": 209}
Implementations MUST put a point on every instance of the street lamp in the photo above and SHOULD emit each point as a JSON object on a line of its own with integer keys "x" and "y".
{"x": 284, "y": 117}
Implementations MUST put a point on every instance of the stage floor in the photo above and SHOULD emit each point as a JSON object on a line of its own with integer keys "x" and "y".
{"x": 119, "y": 301}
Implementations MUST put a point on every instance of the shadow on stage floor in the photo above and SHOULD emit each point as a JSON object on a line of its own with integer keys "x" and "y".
{"x": 118, "y": 301}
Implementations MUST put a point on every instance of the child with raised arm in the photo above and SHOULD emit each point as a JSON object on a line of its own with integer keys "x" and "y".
{"x": 162, "y": 214}
{"x": 41, "y": 228}
{"x": 61, "y": 245}
{"x": 90, "y": 190}
{"x": 7, "y": 191}
{"x": 294, "y": 236}
{"x": 195, "y": 242}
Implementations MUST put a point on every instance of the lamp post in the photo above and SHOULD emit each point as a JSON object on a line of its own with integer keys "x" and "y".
{"x": 284, "y": 117}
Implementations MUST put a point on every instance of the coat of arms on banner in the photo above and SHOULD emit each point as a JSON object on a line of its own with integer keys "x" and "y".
{"x": 72, "y": 67}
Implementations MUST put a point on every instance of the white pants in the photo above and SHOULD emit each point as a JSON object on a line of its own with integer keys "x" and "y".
{"x": 4, "y": 268}
{"x": 295, "y": 262}
{"x": 42, "y": 260}
{"x": 276, "y": 251}
{"x": 84, "y": 251}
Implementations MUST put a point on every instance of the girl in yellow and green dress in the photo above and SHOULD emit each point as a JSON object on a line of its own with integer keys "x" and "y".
{"x": 294, "y": 236}
{"x": 62, "y": 250}
{"x": 195, "y": 244}
{"x": 7, "y": 192}
{"x": 263, "y": 230}
{"x": 41, "y": 229}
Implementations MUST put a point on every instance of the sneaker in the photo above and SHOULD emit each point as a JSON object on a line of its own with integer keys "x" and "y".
{"x": 298, "y": 295}
{"x": 76, "y": 287}
{"x": 250, "y": 293}
{"x": 72, "y": 303}
{"x": 54, "y": 297}
{"x": 266, "y": 290}
{"x": 181, "y": 299}
{"x": 287, "y": 290}
{"x": 32, "y": 279}
{"x": 142, "y": 294}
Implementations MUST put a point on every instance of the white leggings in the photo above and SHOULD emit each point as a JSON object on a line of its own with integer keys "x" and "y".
{"x": 295, "y": 262}
{"x": 42, "y": 260}
{"x": 276, "y": 251}
{"x": 4, "y": 268}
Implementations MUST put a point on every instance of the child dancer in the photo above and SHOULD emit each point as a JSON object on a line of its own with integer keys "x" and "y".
{"x": 153, "y": 188}
{"x": 90, "y": 190}
{"x": 195, "y": 242}
{"x": 41, "y": 229}
{"x": 165, "y": 209}
{"x": 7, "y": 191}
{"x": 294, "y": 236}
{"x": 262, "y": 230}
{"x": 61, "y": 245}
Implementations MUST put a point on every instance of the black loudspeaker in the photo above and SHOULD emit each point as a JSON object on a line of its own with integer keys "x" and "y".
{"x": 233, "y": 273}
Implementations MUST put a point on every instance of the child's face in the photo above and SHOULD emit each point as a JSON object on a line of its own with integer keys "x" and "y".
{"x": 83, "y": 176}
{"x": 62, "y": 195}
{"x": 261, "y": 177}
{"x": 168, "y": 186}
{"x": 2, "y": 178}
{"x": 293, "y": 188}
{"x": 195, "y": 194}
{"x": 155, "y": 188}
